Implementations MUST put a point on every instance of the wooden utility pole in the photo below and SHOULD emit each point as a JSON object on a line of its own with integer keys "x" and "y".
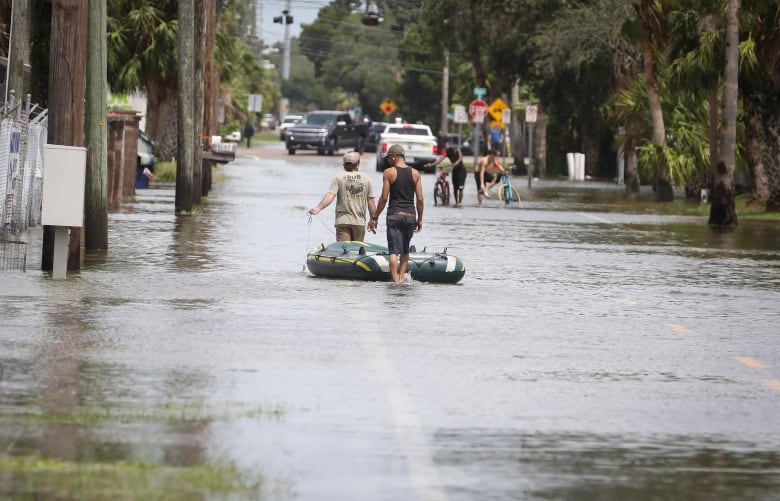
{"x": 210, "y": 87}
{"x": 19, "y": 50}
{"x": 96, "y": 199}
{"x": 67, "y": 92}
{"x": 197, "y": 101}
{"x": 186, "y": 121}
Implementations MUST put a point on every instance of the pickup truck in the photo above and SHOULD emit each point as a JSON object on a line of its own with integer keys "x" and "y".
{"x": 419, "y": 143}
{"x": 327, "y": 132}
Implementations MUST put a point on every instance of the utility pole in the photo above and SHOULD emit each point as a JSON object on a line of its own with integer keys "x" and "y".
{"x": 96, "y": 200}
{"x": 185, "y": 143}
{"x": 18, "y": 51}
{"x": 286, "y": 19}
{"x": 286, "y": 63}
{"x": 445, "y": 91}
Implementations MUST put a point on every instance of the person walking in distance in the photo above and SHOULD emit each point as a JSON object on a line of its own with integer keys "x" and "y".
{"x": 402, "y": 193}
{"x": 352, "y": 191}
{"x": 458, "y": 169}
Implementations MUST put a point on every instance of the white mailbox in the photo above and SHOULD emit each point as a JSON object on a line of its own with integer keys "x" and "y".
{"x": 64, "y": 178}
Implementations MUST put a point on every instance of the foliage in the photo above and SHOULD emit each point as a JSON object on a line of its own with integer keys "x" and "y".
{"x": 165, "y": 171}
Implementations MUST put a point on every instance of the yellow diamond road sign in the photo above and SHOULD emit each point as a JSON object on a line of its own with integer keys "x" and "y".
{"x": 387, "y": 107}
{"x": 496, "y": 108}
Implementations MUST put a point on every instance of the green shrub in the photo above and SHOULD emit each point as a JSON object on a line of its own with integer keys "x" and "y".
{"x": 229, "y": 127}
{"x": 165, "y": 171}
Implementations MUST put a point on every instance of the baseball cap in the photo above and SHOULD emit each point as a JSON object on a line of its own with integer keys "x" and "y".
{"x": 351, "y": 157}
{"x": 396, "y": 149}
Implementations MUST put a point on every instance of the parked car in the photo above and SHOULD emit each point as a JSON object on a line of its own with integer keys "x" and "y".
{"x": 372, "y": 139}
{"x": 467, "y": 146}
{"x": 287, "y": 122}
{"x": 268, "y": 122}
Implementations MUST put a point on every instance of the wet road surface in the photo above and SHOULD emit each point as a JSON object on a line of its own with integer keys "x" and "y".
{"x": 595, "y": 349}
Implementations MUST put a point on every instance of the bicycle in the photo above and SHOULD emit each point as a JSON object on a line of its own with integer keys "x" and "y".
{"x": 507, "y": 193}
{"x": 441, "y": 190}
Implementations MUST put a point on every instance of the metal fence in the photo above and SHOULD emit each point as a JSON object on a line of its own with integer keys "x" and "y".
{"x": 23, "y": 133}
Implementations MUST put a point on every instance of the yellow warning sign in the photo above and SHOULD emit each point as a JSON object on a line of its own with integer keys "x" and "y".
{"x": 497, "y": 107}
{"x": 387, "y": 107}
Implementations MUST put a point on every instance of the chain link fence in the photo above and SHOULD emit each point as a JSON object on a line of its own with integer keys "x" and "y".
{"x": 23, "y": 133}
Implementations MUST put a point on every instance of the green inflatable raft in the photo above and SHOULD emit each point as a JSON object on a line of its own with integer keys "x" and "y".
{"x": 366, "y": 261}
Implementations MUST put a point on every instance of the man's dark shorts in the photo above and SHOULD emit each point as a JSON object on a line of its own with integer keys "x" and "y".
{"x": 400, "y": 230}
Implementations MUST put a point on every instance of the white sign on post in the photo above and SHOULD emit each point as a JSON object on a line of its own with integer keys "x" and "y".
{"x": 479, "y": 115}
{"x": 255, "y": 104}
{"x": 460, "y": 116}
{"x": 530, "y": 114}
{"x": 506, "y": 116}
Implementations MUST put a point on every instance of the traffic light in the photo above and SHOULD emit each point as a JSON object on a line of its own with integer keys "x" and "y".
{"x": 286, "y": 18}
{"x": 372, "y": 19}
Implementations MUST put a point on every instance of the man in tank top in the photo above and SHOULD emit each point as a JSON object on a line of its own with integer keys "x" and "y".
{"x": 402, "y": 193}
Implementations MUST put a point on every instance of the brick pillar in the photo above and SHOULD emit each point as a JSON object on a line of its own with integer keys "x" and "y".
{"x": 122, "y": 156}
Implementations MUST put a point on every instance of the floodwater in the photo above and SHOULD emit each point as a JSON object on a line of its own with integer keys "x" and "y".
{"x": 595, "y": 349}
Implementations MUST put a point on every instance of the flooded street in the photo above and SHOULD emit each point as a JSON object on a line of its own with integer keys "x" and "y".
{"x": 595, "y": 349}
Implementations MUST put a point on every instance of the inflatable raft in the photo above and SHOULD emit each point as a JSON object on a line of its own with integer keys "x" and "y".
{"x": 365, "y": 261}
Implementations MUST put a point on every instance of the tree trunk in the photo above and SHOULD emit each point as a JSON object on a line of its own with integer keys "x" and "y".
{"x": 723, "y": 209}
{"x": 754, "y": 153}
{"x": 67, "y": 89}
{"x": 185, "y": 140}
{"x": 632, "y": 172}
{"x": 772, "y": 128}
{"x": 96, "y": 202}
{"x": 161, "y": 117}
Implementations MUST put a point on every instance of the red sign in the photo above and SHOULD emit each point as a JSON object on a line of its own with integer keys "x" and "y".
{"x": 475, "y": 105}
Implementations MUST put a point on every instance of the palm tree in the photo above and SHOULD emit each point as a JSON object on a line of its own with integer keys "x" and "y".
{"x": 723, "y": 209}
{"x": 652, "y": 16}
{"x": 142, "y": 56}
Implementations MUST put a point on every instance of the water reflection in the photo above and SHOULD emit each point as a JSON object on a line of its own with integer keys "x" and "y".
{"x": 571, "y": 466}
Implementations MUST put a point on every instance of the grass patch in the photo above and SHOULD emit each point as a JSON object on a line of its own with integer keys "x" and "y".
{"x": 166, "y": 413}
{"x": 744, "y": 209}
{"x": 34, "y": 477}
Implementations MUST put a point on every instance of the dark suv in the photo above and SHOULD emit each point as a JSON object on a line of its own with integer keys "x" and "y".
{"x": 372, "y": 140}
{"x": 326, "y": 132}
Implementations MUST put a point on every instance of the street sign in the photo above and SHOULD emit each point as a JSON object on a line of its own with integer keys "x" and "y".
{"x": 255, "y": 104}
{"x": 479, "y": 115}
{"x": 496, "y": 107}
{"x": 460, "y": 116}
{"x": 475, "y": 105}
{"x": 479, "y": 92}
{"x": 387, "y": 107}
{"x": 506, "y": 116}
{"x": 530, "y": 114}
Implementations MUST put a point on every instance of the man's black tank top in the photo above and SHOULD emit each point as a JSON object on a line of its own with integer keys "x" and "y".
{"x": 402, "y": 192}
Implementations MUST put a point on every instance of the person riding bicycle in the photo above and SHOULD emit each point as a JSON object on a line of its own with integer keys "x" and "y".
{"x": 481, "y": 175}
{"x": 455, "y": 157}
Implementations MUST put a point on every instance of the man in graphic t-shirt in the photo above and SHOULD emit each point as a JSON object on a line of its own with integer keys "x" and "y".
{"x": 353, "y": 192}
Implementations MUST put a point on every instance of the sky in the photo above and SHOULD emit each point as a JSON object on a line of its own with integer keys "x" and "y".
{"x": 303, "y": 11}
